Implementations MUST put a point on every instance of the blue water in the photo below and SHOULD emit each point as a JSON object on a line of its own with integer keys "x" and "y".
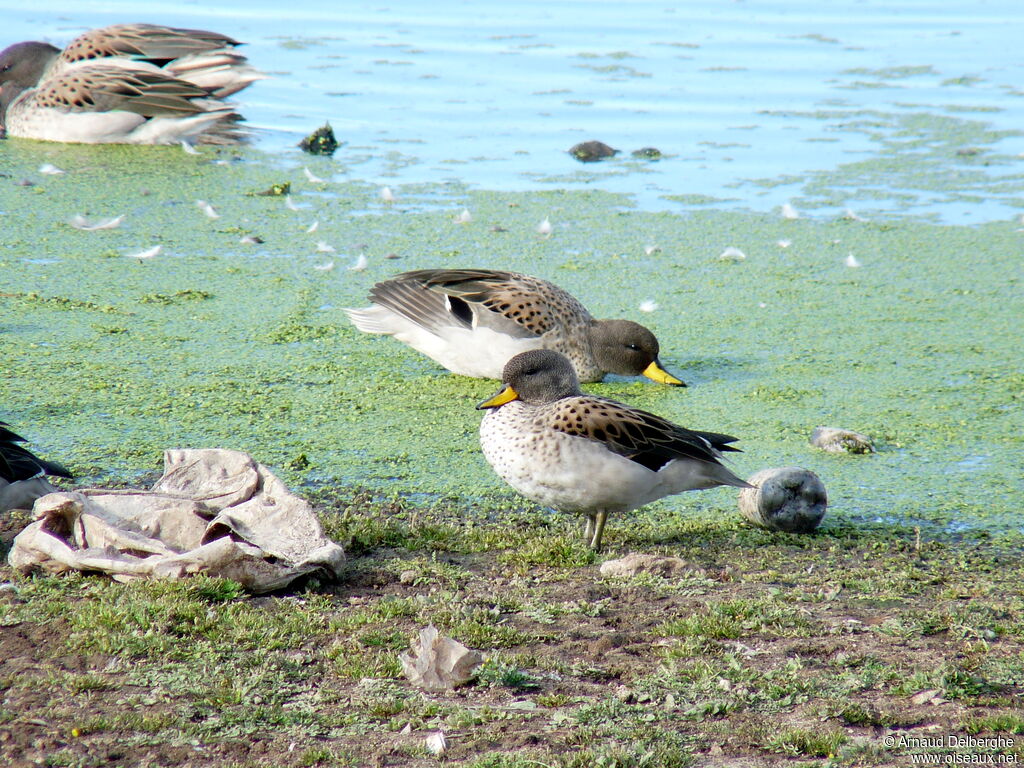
{"x": 754, "y": 103}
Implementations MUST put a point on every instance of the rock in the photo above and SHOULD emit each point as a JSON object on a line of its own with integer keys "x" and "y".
{"x": 437, "y": 663}
{"x": 592, "y": 151}
{"x": 790, "y": 499}
{"x": 635, "y": 563}
{"x": 835, "y": 440}
{"x": 647, "y": 153}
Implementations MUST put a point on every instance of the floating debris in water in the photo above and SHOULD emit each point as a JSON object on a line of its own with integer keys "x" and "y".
{"x": 149, "y": 253}
{"x": 648, "y": 305}
{"x": 836, "y": 440}
{"x": 291, "y": 205}
{"x": 762, "y": 305}
{"x": 313, "y": 227}
{"x": 498, "y": 228}
{"x": 387, "y": 195}
{"x": 592, "y": 151}
{"x": 275, "y": 190}
{"x": 250, "y": 240}
{"x": 647, "y": 153}
{"x": 80, "y": 222}
{"x": 732, "y": 254}
{"x": 324, "y": 267}
{"x": 392, "y": 256}
{"x": 849, "y": 215}
{"x": 49, "y": 169}
{"x": 320, "y": 142}
{"x": 463, "y": 218}
{"x": 189, "y": 149}
{"x": 206, "y": 208}
{"x": 322, "y": 247}
{"x": 25, "y": 183}
{"x": 789, "y": 212}
{"x": 544, "y": 228}
{"x": 783, "y": 243}
{"x": 361, "y": 263}
{"x": 851, "y": 261}
{"x": 310, "y": 176}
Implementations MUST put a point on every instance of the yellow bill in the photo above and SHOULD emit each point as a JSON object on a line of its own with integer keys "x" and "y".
{"x": 655, "y": 372}
{"x": 507, "y": 395}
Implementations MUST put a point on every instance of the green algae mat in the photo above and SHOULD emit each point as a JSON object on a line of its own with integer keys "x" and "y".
{"x": 234, "y": 334}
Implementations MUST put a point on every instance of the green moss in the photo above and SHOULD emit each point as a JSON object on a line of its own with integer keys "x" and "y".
{"x": 246, "y": 346}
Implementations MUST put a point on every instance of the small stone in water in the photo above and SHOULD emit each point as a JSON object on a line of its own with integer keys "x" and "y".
{"x": 592, "y": 151}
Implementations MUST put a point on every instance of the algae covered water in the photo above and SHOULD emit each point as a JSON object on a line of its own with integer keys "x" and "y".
{"x": 899, "y": 318}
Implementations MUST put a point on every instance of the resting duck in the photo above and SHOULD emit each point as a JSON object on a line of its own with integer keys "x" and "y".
{"x": 128, "y": 83}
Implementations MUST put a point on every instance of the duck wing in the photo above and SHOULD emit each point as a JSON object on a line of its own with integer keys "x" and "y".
{"x": 515, "y": 304}
{"x": 109, "y": 87}
{"x": 18, "y": 463}
{"x": 637, "y": 435}
{"x": 157, "y": 45}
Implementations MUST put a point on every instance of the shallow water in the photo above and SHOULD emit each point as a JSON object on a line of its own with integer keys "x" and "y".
{"x": 882, "y": 107}
{"x": 108, "y": 360}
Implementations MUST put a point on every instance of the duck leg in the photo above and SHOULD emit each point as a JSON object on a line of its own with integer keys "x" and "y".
{"x": 588, "y": 532}
{"x": 598, "y": 521}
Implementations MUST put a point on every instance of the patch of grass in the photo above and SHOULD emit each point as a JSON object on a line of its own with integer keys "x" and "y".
{"x": 1003, "y": 722}
{"x": 811, "y": 742}
{"x": 731, "y": 619}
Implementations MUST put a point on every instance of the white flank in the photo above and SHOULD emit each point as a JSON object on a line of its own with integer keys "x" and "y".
{"x": 851, "y": 261}
{"x": 49, "y": 169}
{"x": 544, "y": 228}
{"x": 322, "y": 247}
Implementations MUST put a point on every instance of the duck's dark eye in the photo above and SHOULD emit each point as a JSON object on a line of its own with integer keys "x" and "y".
{"x": 530, "y": 372}
{"x": 634, "y": 347}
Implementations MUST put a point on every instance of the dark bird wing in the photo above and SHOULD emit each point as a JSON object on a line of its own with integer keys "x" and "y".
{"x": 18, "y": 463}
{"x": 508, "y": 302}
{"x": 637, "y": 435}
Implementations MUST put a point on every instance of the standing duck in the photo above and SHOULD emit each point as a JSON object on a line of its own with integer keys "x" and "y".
{"x": 590, "y": 455}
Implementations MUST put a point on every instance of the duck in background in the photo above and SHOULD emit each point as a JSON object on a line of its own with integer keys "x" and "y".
{"x": 128, "y": 83}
